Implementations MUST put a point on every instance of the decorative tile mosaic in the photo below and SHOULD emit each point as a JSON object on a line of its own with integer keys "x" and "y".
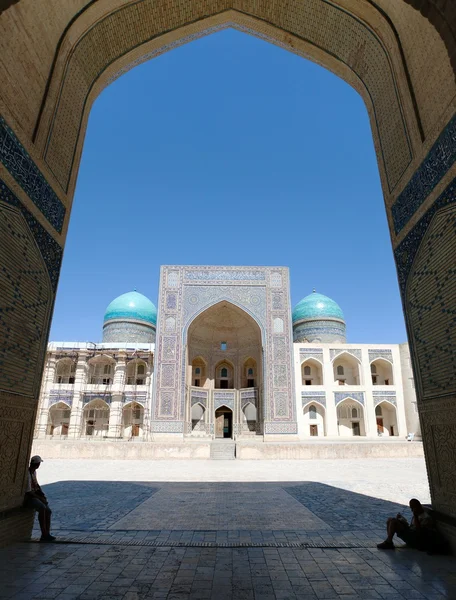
{"x": 128, "y": 331}
{"x": 278, "y": 325}
{"x": 321, "y": 23}
{"x": 384, "y": 397}
{"x": 224, "y": 275}
{"x": 380, "y": 353}
{"x": 26, "y": 298}
{"x": 406, "y": 251}
{"x": 170, "y": 324}
{"x": 439, "y": 160}
{"x": 139, "y": 397}
{"x": 280, "y": 349}
{"x": 194, "y": 296}
{"x": 308, "y": 397}
{"x": 430, "y": 300}
{"x": 280, "y": 428}
{"x": 21, "y": 166}
{"x": 56, "y": 396}
{"x": 224, "y": 399}
{"x": 324, "y": 332}
{"x": 306, "y": 353}
{"x": 249, "y": 397}
{"x": 276, "y": 280}
{"x": 277, "y": 301}
{"x": 280, "y": 376}
{"x": 341, "y": 396}
{"x": 334, "y": 352}
{"x": 167, "y": 426}
{"x": 48, "y": 247}
{"x": 199, "y": 397}
{"x": 173, "y": 279}
{"x": 166, "y": 405}
{"x": 89, "y": 396}
{"x": 171, "y": 301}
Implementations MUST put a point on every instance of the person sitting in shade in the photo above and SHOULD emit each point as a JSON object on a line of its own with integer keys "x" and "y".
{"x": 35, "y": 498}
{"x": 417, "y": 534}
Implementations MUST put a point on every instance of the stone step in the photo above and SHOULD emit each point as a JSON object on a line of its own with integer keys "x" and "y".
{"x": 223, "y": 450}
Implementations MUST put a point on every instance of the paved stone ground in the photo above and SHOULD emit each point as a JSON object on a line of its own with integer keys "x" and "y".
{"x": 228, "y": 529}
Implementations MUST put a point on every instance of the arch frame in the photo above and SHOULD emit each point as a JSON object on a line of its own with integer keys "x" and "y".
{"x": 375, "y": 23}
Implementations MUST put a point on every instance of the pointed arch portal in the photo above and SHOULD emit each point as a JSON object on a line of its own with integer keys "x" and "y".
{"x": 55, "y": 60}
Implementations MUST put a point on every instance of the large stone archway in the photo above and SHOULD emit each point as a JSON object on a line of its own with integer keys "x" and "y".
{"x": 55, "y": 58}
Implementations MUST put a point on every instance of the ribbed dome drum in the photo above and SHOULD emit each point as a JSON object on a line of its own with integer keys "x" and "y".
{"x": 130, "y": 317}
{"x": 317, "y": 318}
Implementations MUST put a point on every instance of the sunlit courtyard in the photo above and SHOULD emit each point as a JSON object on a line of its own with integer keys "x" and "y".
{"x": 225, "y": 529}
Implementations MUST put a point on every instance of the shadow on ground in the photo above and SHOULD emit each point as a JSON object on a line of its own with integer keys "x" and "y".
{"x": 100, "y": 505}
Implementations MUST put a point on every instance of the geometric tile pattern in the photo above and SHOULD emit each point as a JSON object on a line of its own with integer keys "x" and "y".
{"x": 439, "y": 160}
{"x": 431, "y": 301}
{"x": 341, "y": 396}
{"x": 404, "y": 253}
{"x": 354, "y": 352}
{"x": 307, "y": 397}
{"x": 195, "y": 290}
{"x": 56, "y": 396}
{"x": 21, "y": 166}
{"x": 321, "y": 23}
{"x": 89, "y": 396}
{"x": 49, "y": 248}
{"x": 384, "y": 397}
{"x": 380, "y": 353}
{"x": 26, "y": 304}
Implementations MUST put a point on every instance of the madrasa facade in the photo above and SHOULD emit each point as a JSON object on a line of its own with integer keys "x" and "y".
{"x": 225, "y": 357}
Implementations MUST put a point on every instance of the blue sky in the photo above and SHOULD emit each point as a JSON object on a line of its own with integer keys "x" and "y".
{"x": 229, "y": 151}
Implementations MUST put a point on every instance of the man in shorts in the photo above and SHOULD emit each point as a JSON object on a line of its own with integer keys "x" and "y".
{"x": 35, "y": 498}
{"x": 416, "y": 534}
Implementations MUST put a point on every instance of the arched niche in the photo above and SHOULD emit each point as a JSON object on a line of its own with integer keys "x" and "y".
{"x": 386, "y": 418}
{"x": 381, "y": 372}
{"x": 314, "y": 419}
{"x": 96, "y": 418}
{"x": 347, "y": 369}
{"x": 350, "y": 418}
{"x": 311, "y": 372}
{"x": 65, "y": 371}
{"x": 59, "y": 419}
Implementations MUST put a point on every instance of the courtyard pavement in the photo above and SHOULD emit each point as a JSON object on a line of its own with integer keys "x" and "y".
{"x": 226, "y": 529}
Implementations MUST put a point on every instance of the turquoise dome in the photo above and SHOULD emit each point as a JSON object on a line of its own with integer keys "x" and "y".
{"x": 317, "y": 306}
{"x": 132, "y": 305}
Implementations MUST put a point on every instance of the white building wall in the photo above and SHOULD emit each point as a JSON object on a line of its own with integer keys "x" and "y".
{"x": 394, "y": 415}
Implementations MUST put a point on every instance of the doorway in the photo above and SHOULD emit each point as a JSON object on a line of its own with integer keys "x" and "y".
{"x": 356, "y": 428}
{"x": 314, "y": 430}
{"x": 223, "y": 423}
{"x": 380, "y": 425}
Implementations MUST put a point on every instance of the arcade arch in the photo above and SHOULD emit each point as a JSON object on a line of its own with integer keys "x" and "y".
{"x": 59, "y": 420}
{"x": 350, "y": 418}
{"x": 65, "y": 371}
{"x": 311, "y": 372}
{"x": 96, "y": 418}
{"x": 381, "y": 372}
{"x": 51, "y": 75}
{"x": 347, "y": 370}
{"x": 386, "y": 417}
{"x": 314, "y": 419}
{"x": 133, "y": 420}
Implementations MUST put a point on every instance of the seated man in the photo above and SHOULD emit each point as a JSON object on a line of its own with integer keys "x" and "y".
{"x": 416, "y": 534}
{"x": 36, "y": 499}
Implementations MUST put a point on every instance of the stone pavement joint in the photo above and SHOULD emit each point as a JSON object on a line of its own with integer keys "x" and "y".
{"x": 248, "y": 539}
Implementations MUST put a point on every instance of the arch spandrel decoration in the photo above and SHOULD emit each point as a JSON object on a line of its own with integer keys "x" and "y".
{"x": 341, "y": 396}
{"x": 308, "y": 398}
